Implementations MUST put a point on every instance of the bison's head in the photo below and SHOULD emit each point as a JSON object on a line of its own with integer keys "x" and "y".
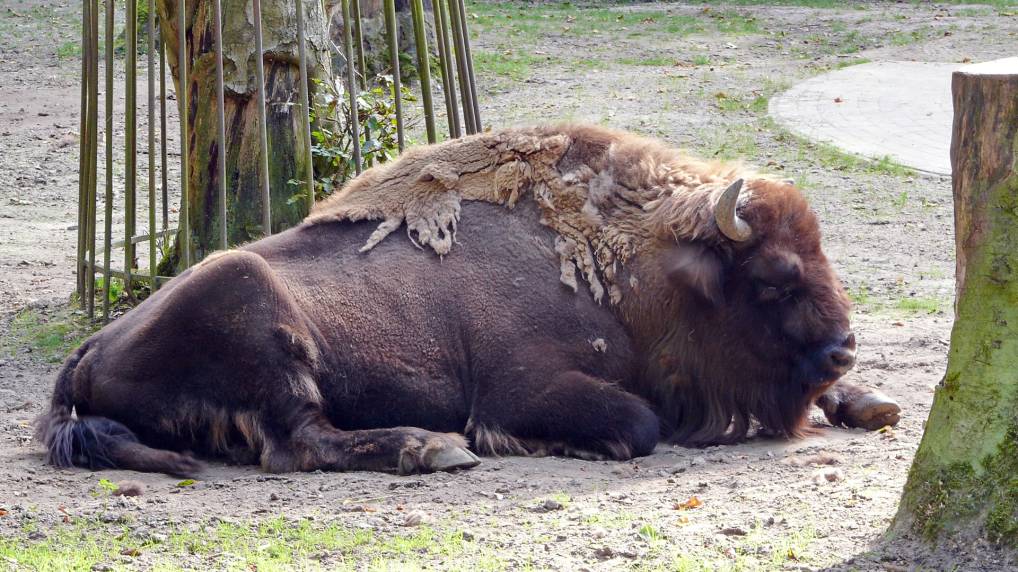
{"x": 757, "y": 324}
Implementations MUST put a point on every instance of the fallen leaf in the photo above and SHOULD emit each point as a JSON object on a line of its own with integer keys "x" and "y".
{"x": 3, "y": 512}
{"x": 132, "y": 552}
{"x": 693, "y": 502}
{"x": 186, "y": 483}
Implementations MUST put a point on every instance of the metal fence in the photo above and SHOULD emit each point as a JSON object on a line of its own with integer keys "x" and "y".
{"x": 455, "y": 66}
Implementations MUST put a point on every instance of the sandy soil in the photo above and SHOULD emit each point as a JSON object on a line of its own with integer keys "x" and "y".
{"x": 820, "y": 502}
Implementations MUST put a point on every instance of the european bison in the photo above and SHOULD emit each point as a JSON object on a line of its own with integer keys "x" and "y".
{"x": 707, "y": 304}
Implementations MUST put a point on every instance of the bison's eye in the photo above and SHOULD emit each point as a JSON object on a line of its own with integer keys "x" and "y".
{"x": 769, "y": 294}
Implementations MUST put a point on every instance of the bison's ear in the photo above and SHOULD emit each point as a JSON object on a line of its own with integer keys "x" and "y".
{"x": 696, "y": 267}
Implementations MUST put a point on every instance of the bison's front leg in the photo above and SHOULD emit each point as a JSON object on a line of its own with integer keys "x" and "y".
{"x": 571, "y": 414}
{"x": 857, "y": 406}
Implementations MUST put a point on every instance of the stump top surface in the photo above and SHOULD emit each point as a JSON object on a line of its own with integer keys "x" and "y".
{"x": 898, "y": 109}
{"x": 1004, "y": 66}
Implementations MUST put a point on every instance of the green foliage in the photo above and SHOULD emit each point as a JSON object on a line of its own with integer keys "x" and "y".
{"x": 105, "y": 488}
{"x": 332, "y": 137}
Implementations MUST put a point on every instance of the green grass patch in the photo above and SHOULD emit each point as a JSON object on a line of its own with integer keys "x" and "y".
{"x": 51, "y": 337}
{"x": 922, "y": 305}
{"x": 69, "y": 50}
{"x": 833, "y": 158}
{"x": 509, "y": 64}
{"x": 896, "y": 303}
{"x": 851, "y": 62}
{"x": 532, "y": 22}
{"x": 727, "y": 143}
{"x": 273, "y": 544}
{"x": 658, "y": 61}
{"x": 803, "y": 3}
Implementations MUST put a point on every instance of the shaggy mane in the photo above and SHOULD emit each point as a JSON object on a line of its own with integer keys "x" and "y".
{"x": 606, "y": 194}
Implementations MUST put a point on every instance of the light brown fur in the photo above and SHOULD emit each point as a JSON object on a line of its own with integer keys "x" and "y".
{"x": 608, "y": 194}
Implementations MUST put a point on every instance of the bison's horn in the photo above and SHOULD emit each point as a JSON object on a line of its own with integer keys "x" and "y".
{"x": 728, "y": 220}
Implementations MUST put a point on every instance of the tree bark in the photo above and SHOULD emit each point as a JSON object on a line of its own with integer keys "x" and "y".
{"x": 964, "y": 479}
{"x": 286, "y": 136}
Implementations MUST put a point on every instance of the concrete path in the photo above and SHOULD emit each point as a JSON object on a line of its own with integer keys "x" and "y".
{"x": 898, "y": 109}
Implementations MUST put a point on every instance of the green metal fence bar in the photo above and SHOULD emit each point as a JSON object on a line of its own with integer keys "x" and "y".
{"x": 469, "y": 59}
{"x": 358, "y": 42}
{"x": 130, "y": 137}
{"x": 309, "y": 171}
{"x": 109, "y": 33}
{"x": 263, "y": 136}
{"x": 351, "y": 86}
{"x": 151, "y": 140}
{"x": 93, "y": 145}
{"x": 397, "y": 88}
{"x": 82, "y": 159}
{"x": 423, "y": 68}
{"x": 444, "y": 58}
{"x": 461, "y": 67}
{"x": 163, "y": 170}
{"x": 217, "y": 27}
{"x": 183, "y": 223}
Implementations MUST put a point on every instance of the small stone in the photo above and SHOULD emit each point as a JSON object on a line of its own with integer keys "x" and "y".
{"x": 273, "y": 497}
{"x": 468, "y": 536}
{"x": 604, "y": 553}
{"x": 415, "y": 518}
{"x": 129, "y": 489}
{"x": 828, "y": 475}
{"x": 550, "y": 505}
{"x": 733, "y": 531}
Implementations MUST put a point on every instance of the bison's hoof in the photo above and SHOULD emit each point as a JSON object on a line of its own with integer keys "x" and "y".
{"x": 452, "y": 459}
{"x": 184, "y": 465}
{"x": 871, "y": 411}
{"x": 430, "y": 452}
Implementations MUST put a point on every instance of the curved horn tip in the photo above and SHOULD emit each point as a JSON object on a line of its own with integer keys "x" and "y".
{"x": 727, "y": 218}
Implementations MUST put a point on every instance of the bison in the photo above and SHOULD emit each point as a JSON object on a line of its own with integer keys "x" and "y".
{"x": 704, "y": 310}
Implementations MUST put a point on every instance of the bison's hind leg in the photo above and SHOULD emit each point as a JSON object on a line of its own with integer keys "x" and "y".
{"x": 310, "y": 442}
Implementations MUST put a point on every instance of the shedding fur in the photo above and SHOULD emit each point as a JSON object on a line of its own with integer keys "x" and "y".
{"x": 607, "y": 194}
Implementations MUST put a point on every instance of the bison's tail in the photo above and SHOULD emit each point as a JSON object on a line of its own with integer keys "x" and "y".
{"x": 98, "y": 442}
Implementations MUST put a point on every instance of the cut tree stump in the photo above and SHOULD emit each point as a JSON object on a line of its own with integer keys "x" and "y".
{"x": 963, "y": 483}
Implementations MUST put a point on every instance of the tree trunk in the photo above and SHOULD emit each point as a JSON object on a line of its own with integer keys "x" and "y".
{"x": 964, "y": 480}
{"x": 375, "y": 40}
{"x": 286, "y": 135}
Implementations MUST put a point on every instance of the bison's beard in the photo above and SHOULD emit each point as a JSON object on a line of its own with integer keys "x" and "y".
{"x": 699, "y": 411}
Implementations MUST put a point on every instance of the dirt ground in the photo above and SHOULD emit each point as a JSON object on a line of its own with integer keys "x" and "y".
{"x": 698, "y": 76}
